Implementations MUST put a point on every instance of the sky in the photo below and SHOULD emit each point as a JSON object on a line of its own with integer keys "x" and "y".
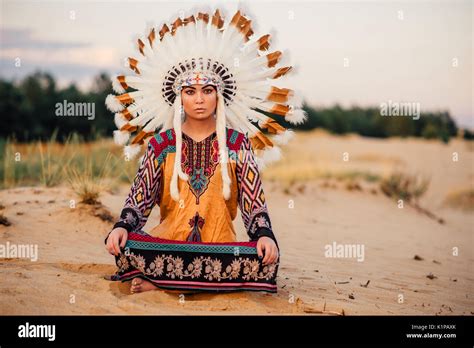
{"x": 362, "y": 53}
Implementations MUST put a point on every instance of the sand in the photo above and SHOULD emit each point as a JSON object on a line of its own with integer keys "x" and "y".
{"x": 67, "y": 278}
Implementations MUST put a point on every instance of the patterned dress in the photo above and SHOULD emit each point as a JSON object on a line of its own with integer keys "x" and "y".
{"x": 197, "y": 231}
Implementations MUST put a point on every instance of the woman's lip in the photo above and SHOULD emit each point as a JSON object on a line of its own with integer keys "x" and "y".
{"x": 200, "y": 109}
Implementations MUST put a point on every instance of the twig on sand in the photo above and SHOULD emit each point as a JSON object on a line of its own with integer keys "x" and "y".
{"x": 408, "y": 188}
{"x": 426, "y": 212}
{"x": 334, "y": 284}
{"x": 317, "y": 311}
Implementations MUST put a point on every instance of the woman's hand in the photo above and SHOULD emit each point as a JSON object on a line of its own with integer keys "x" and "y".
{"x": 116, "y": 240}
{"x": 271, "y": 250}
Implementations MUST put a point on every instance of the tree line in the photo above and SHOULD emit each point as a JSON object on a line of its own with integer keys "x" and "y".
{"x": 29, "y": 110}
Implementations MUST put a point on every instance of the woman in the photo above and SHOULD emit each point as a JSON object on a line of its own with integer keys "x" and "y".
{"x": 199, "y": 137}
{"x": 202, "y": 84}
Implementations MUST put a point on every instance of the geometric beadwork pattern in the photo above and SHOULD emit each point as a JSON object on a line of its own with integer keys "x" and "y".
{"x": 144, "y": 193}
{"x": 251, "y": 196}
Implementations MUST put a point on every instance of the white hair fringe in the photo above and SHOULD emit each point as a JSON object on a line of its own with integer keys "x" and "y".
{"x": 221, "y": 140}
{"x": 177, "y": 170}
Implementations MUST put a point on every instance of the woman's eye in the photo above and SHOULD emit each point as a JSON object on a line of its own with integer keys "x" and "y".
{"x": 208, "y": 91}
{"x": 189, "y": 92}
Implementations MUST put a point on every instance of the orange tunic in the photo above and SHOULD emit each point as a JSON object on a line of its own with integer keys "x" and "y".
{"x": 201, "y": 214}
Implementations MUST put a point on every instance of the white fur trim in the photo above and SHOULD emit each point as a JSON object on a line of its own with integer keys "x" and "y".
{"x": 271, "y": 155}
{"x": 296, "y": 116}
{"x": 130, "y": 151}
{"x": 121, "y": 137}
{"x": 113, "y": 104}
{"x": 222, "y": 143}
{"x": 284, "y": 137}
{"x": 177, "y": 170}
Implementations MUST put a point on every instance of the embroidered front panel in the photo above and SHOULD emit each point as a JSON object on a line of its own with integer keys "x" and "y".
{"x": 199, "y": 161}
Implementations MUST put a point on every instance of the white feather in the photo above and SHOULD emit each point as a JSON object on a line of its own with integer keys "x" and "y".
{"x": 270, "y": 155}
{"x": 144, "y": 117}
{"x": 120, "y": 120}
{"x": 113, "y": 104}
{"x": 296, "y": 116}
{"x": 261, "y": 62}
{"x": 116, "y": 86}
{"x": 121, "y": 137}
{"x": 296, "y": 100}
{"x": 130, "y": 151}
{"x": 284, "y": 137}
{"x": 260, "y": 163}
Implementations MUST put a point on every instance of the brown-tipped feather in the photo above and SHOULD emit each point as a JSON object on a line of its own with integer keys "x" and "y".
{"x": 189, "y": 19}
{"x": 273, "y": 126}
{"x": 133, "y": 64}
{"x": 203, "y": 17}
{"x": 273, "y": 58}
{"x": 128, "y": 127}
{"x": 127, "y": 114}
{"x": 282, "y": 71}
{"x": 236, "y": 18}
{"x": 242, "y": 24}
{"x": 121, "y": 80}
{"x": 260, "y": 141}
{"x": 280, "y": 109}
{"x": 264, "y": 42}
{"x": 164, "y": 29}
{"x": 279, "y": 95}
{"x": 247, "y": 31}
{"x": 176, "y": 24}
{"x": 124, "y": 98}
{"x": 217, "y": 20}
{"x": 141, "y": 136}
{"x": 151, "y": 37}
{"x": 140, "y": 46}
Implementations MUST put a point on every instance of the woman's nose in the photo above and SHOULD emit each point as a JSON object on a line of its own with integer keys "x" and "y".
{"x": 199, "y": 97}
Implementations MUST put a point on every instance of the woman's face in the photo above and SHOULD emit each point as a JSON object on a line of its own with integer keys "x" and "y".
{"x": 199, "y": 101}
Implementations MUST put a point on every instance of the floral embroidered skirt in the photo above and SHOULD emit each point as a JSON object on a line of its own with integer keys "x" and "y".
{"x": 182, "y": 265}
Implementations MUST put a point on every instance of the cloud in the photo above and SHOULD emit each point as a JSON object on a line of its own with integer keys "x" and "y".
{"x": 23, "y": 39}
{"x": 20, "y": 43}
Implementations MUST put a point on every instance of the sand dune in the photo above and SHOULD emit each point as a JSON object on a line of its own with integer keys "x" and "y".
{"x": 67, "y": 278}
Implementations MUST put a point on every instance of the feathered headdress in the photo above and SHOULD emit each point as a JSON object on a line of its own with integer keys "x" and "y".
{"x": 238, "y": 64}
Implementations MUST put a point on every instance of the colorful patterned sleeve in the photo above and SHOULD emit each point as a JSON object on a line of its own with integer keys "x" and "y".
{"x": 251, "y": 197}
{"x": 143, "y": 195}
